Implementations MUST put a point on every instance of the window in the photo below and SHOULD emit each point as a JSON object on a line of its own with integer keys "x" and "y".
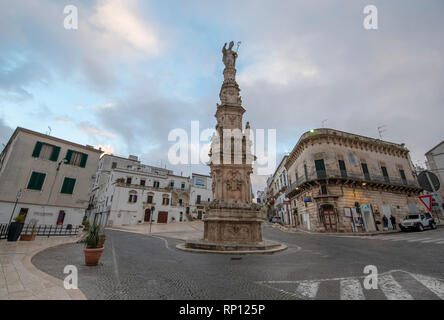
{"x": 114, "y": 165}
{"x": 180, "y": 202}
{"x": 76, "y": 158}
{"x": 172, "y": 184}
{"x": 403, "y": 177}
{"x": 46, "y": 151}
{"x": 198, "y": 198}
{"x": 166, "y": 201}
{"x": 132, "y": 198}
{"x": 342, "y": 168}
{"x": 365, "y": 171}
{"x": 142, "y": 182}
{"x": 183, "y": 186}
{"x": 149, "y": 199}
{"x": 208, "y": 199}
{"x": 156, "y": 184}
{"x": 36, "y": 181}
{"x": 68, "y": 186}
{"x": 385, "y": 174}
{"x": 324, "y": 189}
{"x": 200, "y": 182}
{"x": 305, "y": 171}
{"x": 320, "y": 169}
{"x": 128, "y": 180}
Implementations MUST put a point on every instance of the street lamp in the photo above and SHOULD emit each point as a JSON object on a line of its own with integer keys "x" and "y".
{"x": 151, "y": 217}
{"x": 17, "y": 197}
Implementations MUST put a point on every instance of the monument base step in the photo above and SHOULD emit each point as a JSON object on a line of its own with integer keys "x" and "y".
{"x": 203, "y": 246}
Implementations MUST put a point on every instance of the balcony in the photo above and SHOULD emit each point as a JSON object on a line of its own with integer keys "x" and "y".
{"x": 352, "y": 179}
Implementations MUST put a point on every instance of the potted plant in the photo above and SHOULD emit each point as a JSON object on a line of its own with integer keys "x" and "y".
{"x": 16, "y": 227}
{"x": 92, "y": 250}
{"x": 102, "y": 237}
{"x": 29, "y": 237}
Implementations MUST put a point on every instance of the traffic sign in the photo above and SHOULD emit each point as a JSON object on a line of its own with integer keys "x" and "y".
{"x": 427, "y": 201}
{"x": 428, "y": 181}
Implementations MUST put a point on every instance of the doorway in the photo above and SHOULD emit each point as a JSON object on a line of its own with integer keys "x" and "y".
{"x": 162, "y": 217}
{"x": 329, "y": 217}
{"x": 147, "y": 217}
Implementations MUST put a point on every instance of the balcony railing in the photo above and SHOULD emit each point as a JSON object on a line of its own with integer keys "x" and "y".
{"x": 349, "y": 176}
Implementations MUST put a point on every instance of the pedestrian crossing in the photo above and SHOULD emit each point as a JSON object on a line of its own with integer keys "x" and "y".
{"x": 409, "y": 239}
{"x": 392, "y": 285}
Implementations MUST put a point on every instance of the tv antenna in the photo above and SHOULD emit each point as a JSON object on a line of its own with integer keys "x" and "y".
{"x": 323, "y": 122}
{"x": 49, "y": 132}
{"x": 381, "y": 130}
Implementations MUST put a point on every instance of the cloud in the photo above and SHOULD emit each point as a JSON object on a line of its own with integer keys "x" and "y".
{"x": 107, "y": 149}
{"x": 5, "y": 133}
{"x": 93, "y": 130}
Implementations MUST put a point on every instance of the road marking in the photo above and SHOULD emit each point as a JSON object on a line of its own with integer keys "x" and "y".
{"x": 437, "y": 287}
{"x": 433, "y": 240}
{"x": 308, "y": 289}
{"x": 351, "y": 289}
{"x": 116, "y": 269}
{"x": 441, "y": 242}
{"x": 392, "y": 289}
{"x": 420, "y": 239}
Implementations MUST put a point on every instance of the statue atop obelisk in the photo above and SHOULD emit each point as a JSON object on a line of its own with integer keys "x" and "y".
{"x": 232, "y": 222}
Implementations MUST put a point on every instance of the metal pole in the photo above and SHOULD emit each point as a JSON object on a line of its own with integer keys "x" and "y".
{"x": 435, "y": 193}
{"x": 12, "y": 214}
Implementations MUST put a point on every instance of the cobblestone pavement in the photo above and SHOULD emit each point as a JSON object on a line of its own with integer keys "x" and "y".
{"x": 138, "y": 266}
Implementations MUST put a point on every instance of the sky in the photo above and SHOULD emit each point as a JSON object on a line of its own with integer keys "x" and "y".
{"x": 135, "y": 70}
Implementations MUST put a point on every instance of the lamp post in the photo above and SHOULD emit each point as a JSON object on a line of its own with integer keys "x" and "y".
{"x": 151, "y": 217}
{"x": 17, "y": 197}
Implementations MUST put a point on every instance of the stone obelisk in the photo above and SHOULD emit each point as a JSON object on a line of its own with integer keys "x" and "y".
{"x": 232, "y": 222}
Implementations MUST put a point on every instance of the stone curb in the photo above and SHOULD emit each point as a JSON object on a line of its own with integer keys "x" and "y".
{"x": 182, "y": 247}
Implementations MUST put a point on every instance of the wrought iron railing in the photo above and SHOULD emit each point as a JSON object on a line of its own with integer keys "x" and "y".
{"x": 342, "y": 174}
{"x": 42, "y": 230}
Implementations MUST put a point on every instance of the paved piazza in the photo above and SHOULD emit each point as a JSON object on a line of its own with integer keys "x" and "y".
{"x": 140, "y": 266}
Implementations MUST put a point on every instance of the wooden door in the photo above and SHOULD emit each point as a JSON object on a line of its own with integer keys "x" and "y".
{"x": 329, "y": 219}
{"x": 162, "y": 217}
{"x": 147, "y": 215}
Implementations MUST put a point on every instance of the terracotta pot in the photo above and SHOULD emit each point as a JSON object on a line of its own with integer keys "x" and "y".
{"x": 92, "y": 256}
{"x": 101, "y": 241}
{"x": 27, "y": 237}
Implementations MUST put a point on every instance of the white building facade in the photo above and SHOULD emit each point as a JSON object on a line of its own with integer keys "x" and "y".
{"x": 45, "y": 178}
{"x": 127, "y": 192}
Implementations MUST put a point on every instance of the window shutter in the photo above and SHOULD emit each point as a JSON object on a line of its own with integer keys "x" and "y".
{"x": 41, "y": 180}
{"x": 37, "y": 149}
{"x": 84, "y": 159}
{"x": 68, "y": 156}
{"x": 55, "y": 153}
{"x": 31, "y": 182}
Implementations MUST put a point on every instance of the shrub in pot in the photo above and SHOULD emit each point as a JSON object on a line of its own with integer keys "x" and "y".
{"x": 29, "y": 237}
{"x": 16, "y": 227}
{"x": 102, "y": 237}
{"x": 92, "y": 250}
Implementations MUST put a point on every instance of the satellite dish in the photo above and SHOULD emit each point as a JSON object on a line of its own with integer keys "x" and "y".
{"x": 425, "y": 183}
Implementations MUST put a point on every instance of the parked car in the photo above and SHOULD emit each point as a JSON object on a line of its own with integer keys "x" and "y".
{"x": 276, "y": 219}
{"x": 417, "y": 222}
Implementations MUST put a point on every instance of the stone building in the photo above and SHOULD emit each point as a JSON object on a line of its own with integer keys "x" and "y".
{"x": 435, "y": 163}
{"x": 280, "y": 183}
{"x": 54, "y": 177}
{"x": 343, "y": 182}
{"x": 128, "y": 192}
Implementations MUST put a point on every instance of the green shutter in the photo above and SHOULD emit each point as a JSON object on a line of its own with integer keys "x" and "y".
{"x": 37, "y": 149}
{"x": 84, "y": 159}
{"x": 68, "y": 186}
{"x": 68, "y": 156}
{"x": 55, "y": 153}
{"x": 36, "y": 181}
